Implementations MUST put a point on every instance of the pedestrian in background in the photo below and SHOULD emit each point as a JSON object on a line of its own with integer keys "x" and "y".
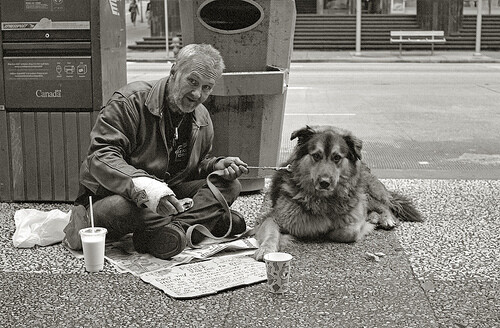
{"x": 148, "y": 13}
{"x": 133, "y": 8}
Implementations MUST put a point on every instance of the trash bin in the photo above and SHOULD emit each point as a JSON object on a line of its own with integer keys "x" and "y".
{"x": 255, "y": 38}
{"x": 60, "y": 60}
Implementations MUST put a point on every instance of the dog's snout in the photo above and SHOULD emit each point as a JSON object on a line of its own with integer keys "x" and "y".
{"x": 324, "y": 183}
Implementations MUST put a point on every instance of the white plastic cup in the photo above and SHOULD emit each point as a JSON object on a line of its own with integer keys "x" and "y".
{"x": 93, "y": 241}
{"x": 278, "y": 272}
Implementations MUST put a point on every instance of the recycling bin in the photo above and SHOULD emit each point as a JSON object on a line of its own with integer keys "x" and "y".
{"x": 255, "y": 38}
{"x": 59, "y": 61}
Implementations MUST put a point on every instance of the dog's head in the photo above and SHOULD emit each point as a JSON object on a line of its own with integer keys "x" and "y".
{"x": 323, "y": 155}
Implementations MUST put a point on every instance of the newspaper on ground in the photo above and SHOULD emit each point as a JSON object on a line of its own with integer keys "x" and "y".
{"x": 213, "y": 267}
{"x": 125, "y": 259}
{"x": 209, "y": 277}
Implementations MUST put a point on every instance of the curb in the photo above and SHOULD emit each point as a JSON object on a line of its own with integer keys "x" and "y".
{"x": 466, "y": 60}
{"x": 396, "y": 60}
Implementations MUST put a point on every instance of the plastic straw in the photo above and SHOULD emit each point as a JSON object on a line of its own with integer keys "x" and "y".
{"x": 91, "y": 213}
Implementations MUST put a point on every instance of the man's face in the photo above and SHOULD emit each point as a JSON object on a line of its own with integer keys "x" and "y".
{"x": 190, "y": 87}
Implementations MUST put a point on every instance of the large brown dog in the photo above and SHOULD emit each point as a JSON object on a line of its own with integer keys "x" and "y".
{"x": 328, "y": 192}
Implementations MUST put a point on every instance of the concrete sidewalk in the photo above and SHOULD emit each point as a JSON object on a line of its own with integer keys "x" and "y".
{"x": 393, "y": 56}
{"x": 420, "y": 56}
{"x": 444, "y": 272}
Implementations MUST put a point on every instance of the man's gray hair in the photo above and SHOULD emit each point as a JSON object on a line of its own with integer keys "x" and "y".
{"x": 205, "y": 53}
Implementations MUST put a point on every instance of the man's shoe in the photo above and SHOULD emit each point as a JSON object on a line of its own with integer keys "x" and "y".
{"x": 163, "y": 242}
{"x": 239, "y": 224}
{"x": 77, "y": 221}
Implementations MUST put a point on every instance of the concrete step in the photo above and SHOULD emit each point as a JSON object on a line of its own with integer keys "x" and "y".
{"x": 331, "y": 32}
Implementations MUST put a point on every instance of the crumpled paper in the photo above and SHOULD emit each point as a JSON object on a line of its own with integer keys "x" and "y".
{"x": 35, "y": 227}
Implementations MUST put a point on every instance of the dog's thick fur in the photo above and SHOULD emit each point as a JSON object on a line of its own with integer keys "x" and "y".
{"x": 328, "y": 193}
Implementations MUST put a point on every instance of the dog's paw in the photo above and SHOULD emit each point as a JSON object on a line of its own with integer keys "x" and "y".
{"x": 387, "y": 221}
{"x": 259, "y": 253}
{"x": 374, "y": 218}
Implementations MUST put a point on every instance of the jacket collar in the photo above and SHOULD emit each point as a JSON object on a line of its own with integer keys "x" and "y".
{"x": 156, "y": 104}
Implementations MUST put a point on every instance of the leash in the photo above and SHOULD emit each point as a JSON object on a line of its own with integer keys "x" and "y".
{"x": 201, "y": 228}
{"x": 220, "y": 198}
{"x": 275, "y": 168}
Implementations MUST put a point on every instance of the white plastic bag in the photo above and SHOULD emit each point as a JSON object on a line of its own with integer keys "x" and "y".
{"x": 34, "y": 227}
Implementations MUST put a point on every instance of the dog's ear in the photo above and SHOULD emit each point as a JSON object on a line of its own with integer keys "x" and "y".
{"x": 303, "y": 134}
{"x": 355, "y": 144}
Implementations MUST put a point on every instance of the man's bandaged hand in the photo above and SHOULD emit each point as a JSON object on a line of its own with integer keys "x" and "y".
{"x": 170, "y": 205}
{"x": 161, "y": 198}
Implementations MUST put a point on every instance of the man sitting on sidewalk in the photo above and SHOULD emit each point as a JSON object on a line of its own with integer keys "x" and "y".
{"x": 149, "y": 151}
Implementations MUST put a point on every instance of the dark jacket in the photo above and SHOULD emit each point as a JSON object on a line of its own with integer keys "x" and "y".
{"x": 128, "y": 140}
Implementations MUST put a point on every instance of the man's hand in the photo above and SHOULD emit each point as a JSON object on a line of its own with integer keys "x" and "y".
{"x": 170, "y": 205}
{"x": 233, "y": 167}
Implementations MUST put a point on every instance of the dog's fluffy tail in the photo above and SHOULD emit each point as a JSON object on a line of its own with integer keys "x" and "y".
{"x": 404, "y": 209}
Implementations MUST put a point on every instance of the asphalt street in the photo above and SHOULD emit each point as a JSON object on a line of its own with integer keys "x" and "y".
{"x": 419, "y": 120}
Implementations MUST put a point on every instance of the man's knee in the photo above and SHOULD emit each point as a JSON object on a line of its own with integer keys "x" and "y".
{"x": 237, "y": 186}
{"x": 117, "y": 214}
{"x": 114, "y": 205}
{"x": 229, "y": 188}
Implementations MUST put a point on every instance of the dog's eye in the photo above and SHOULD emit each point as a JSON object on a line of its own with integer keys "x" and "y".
{"x": 336, "y": 158}
{"x": 316, "y": 156}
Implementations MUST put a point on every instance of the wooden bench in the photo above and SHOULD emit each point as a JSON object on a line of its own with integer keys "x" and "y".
{"x": 417, "y": 37}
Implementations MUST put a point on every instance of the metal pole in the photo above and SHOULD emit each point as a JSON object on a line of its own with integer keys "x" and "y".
{"x": 320, "y": 4}
{"x": 358, "y": 28}
{"x": 166, "y": 29}
{"x": 478, "y": 27}
{"x": 140, "y": 6}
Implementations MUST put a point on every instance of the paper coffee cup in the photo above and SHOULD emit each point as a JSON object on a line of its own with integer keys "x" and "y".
{"x": 93, "y": 241}
{"x": 278, "y": 272}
